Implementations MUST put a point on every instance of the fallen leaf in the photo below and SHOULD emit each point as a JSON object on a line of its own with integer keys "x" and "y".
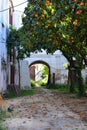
{"x": 81, "y": 115}
{"x": 66, "y": 125}
{"x": 69, "y": 116}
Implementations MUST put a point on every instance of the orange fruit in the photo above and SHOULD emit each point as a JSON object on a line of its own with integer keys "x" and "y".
{"x": 75, "y": 0}
{"x": 36, "y": 15}
{"x": 42, "y": 15}
{"x": 51, "y": 4}
{"x": 38, "y": 23}
{"x": 75, "y": 22}
{"x": 79, "y": 12}
{"x": 82, "y": 4}
{"x": 49, "y": 25}
{"x": 47, "y": 2}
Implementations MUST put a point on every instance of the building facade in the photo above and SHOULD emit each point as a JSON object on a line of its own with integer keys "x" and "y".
{"x": 4, "y": 24}
{"x": 16, "y": 21}
{"x": 57, "y": 64}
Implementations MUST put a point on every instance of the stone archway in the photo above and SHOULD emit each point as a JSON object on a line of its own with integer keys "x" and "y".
{"x": 43, "y": 63}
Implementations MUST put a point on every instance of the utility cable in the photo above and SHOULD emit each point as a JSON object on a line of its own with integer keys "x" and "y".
{"x": 13, "y": 6}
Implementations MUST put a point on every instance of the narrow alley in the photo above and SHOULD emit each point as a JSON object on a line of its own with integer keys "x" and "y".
{"x": 44, "y": 111}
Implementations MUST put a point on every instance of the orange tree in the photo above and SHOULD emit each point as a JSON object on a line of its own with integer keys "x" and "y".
{"x": 57, "y": 24}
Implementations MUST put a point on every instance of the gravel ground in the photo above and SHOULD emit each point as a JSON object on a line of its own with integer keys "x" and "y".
{"x": 44, "y": 111}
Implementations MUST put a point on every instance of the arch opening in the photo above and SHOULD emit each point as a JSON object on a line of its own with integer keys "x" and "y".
{"x": 39, "y": 73}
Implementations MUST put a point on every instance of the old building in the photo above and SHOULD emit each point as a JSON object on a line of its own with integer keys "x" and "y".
{"x": 16, "y": 22}
{"x": 4, "y": 23}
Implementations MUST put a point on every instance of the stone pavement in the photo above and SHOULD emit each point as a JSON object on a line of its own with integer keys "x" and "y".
{"x": 43, "y": 111}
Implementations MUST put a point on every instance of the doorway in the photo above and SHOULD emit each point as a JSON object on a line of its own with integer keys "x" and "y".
{"x": 39, "y": 74}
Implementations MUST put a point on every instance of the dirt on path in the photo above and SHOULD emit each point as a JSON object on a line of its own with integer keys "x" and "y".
{"x": 48, "y": 110}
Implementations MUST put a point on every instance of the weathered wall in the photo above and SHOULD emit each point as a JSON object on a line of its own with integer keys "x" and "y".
{"x": 4, "y": 23}
{"x": 84, "y": 74}
{"x": 56, "y": 63}
{"x": 24, "y": 75}
{"x": 17, "y": 22}
{"x": 24, "y": 70}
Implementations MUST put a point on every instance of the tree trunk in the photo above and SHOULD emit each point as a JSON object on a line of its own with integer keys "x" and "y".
{"x": 80, "y": 83}
{"x": 18, "y": 89}
{"x": 72, "y": 78}
{"x": 19, "y": 71}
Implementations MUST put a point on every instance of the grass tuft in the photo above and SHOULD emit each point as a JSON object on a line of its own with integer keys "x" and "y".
{"x": 60, "y": 87}
{"x": 3, "y": 115}
{"x": 23, "y": 93}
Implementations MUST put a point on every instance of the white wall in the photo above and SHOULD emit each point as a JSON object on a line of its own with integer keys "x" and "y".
{"x": 4, "y": 22}
{"x": 17, "y": 22}
{"x": 24, "y": 75}
{"x": 18, "y": 12}
{"x": 24, "y": 72}
{"x": 56, "y": 63}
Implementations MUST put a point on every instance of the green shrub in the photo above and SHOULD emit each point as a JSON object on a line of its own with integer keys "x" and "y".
{"x": 23, "y": 93}
{"x": 1, "y": 127}
{"x": 28, "y": 92}
{"x": 11, "y": 95}
{"x": 60, "y": 87}
{"x": 3, "y": 115}
{"x": 33, "y": 83}
{"x": 41, "y": 83}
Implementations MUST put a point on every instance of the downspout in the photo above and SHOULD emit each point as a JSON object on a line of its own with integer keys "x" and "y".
{"x": 11, "y": 10}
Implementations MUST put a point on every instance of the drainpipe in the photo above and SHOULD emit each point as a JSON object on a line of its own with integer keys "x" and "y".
{"x": 11, "y": 10}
